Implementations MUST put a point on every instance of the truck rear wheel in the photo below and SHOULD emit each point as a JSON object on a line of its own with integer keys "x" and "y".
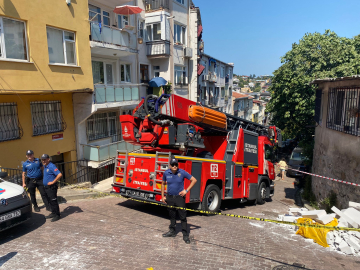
{"x": 261, "y": 193}
{"x": 212, "y": 199}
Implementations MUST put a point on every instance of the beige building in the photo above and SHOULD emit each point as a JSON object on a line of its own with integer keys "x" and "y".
{"x": 337, "y": 139}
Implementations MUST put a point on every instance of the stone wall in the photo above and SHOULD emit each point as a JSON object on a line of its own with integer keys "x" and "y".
{"x": 336, "y": 155}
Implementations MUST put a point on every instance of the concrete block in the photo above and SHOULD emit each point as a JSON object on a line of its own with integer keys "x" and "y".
{"x": 280, "y": 217}
{"x": 290, "y": 218}
{"x": 304, "y": 209}
{"x": 353, "y": 214}
{"x": 324, "y": 219}
{"x": 338, "y": 239}
{"x": 333, "y": 215}
{"x": 313, "y": 214}
{"x": 354, "y": 205}
{"x": 344, "y": 247}
{"x": 346, "y": 217}
{"x": 354, "y": 243}
{"x": 343, "y": 224}
{"x": 356, "y": 234}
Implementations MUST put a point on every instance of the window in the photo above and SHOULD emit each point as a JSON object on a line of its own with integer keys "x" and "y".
{"x": 94, "y": 14}
{"x": 203, "y": 93}
{"x": 344, "y": 110}
{"x": 156, "y": 71}
{"x": 153, "y": 32}
{"x": 123, "y": 21}
{"x": 230, "y": 92}
{"x": 106, "y": 18}
{"x": 222, "y": 92}
{"x": 222, "y": 72}
{"x": 102, "y": 125}
{"x": 268, "y": 152}
{"x": 180, "y": 75}
{"x": 141, "y": 32}
{"x": 61, "y": 46}
{"x": 125, "y": 73}
{"x": 47, "y": 117}
{"x": 10, "y": 128}
{"x": 179, "y": 34}
{"x": 13, "y": 43}
{"x": 180, "y": 1}
{"x": 103, "y": 72}
{"x": 144, "y": 73}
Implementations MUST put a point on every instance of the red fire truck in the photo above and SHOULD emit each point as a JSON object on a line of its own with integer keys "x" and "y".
{"x": 231, "y": 158}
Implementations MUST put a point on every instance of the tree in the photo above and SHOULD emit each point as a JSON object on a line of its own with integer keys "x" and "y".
{"x": 315, "y": 56}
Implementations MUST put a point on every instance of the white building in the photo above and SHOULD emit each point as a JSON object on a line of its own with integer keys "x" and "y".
{"x": 127, "y": 51}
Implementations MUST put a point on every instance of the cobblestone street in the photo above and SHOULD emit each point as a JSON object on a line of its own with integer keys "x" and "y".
{"x": 114, "y": 233}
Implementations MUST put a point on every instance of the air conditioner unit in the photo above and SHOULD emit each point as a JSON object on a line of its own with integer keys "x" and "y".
{"x": 188, "y": 52}
{"x": 206, "y": 77}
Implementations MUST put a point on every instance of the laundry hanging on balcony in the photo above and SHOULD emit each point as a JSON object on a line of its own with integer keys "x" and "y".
{"x": 212, "y": 60}
{"x": 200, "y": 29}
{"x": 200, "y": 69}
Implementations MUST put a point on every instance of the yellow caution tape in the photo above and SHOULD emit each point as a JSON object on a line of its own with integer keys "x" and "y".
{"x": 230, "y": 215}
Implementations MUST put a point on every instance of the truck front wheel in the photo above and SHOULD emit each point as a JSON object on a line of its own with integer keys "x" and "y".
{"x": 261, "y": 193}
{"x": 212, "y": 199}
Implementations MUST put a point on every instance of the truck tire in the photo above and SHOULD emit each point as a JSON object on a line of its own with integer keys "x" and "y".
{"x": 212, "y": 199}
{"x": 261, "y": 193}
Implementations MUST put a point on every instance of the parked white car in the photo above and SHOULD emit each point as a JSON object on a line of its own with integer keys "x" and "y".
{"x": 15, "y": 206}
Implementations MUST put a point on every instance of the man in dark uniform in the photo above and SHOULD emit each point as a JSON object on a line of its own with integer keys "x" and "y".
{"x": 174, "y": 177}
{"x": 299, "y": 185}
{"x": 51, "y": 176}
{"x": 32, "y": 178}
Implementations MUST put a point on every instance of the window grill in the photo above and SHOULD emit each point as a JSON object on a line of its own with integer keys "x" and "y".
{"x": 344, "y": 110}
{"x": 103, "y": 125}
{"x": 47, "y": 117}
{"x": 10, "y": 128}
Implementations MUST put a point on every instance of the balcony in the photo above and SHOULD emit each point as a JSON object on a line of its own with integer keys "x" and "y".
{"x": 155, "y": 5}
{"x": 115, "y": 39}
{"x": 158, "y": 49}
{"x": 105, "y": 152}
{"x": 116, "y": 93}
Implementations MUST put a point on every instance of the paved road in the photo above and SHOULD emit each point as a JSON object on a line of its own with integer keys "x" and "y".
{"x": 113, "y": 233}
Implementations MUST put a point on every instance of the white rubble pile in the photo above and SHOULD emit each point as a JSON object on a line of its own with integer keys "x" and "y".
{"x": 346, "y": 242}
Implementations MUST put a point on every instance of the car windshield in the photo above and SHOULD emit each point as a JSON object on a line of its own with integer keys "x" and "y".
{"x": 297, "y": 156}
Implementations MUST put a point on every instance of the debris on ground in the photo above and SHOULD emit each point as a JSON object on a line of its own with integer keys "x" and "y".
{"x": 345, "y": 242}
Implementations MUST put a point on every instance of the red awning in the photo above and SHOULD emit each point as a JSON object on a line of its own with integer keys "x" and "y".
{"x": 200, "y": 69}
{"x": 200, "y": 28}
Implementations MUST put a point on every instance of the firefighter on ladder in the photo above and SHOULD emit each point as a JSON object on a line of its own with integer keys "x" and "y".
{"x": 174, "y": 177}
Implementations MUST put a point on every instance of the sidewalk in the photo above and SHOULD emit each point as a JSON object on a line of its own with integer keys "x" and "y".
{"x": 81, "y": 191}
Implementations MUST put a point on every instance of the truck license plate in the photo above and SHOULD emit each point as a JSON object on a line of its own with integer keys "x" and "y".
{"x": 142, "y": 194}
{"x": 10, "y": 216}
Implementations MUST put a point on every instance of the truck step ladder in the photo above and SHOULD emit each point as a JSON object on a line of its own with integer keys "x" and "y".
{"x": 160, "y": 163}
{"x": 123, "y": 165}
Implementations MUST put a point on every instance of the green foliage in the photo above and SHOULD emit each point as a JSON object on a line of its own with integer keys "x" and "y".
{"x": 167, "y": 88}
{"x": 329, "y": 202}
{"x": 315, "y": 56}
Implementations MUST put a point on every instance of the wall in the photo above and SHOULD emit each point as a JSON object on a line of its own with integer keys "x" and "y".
{"x": 38, "y": 74}
{"x": 336, "y": 155}
{"x": 13, "y": 152}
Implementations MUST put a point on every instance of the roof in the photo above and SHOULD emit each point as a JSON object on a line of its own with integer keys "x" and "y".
{"x": 257, "y": 101}
{"x": 349, "y": 78}
{"x": 238, "y": 95}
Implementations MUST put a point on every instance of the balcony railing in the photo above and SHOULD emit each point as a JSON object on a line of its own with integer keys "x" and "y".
{"x": 159, "y": 48}
{"x": 105, "y": 152}
{"x": 152, "y": 5}
{"x": 112, "y": 35}
{"x": 116, "y": 93}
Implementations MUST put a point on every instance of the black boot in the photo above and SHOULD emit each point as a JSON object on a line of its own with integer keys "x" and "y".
{"x": 52, "y": 215}
{"x": 36, "y": 208}
{"x": 186, "y": 239}
{"x": 55, "y": 218}
{"x": 170, "y": 233}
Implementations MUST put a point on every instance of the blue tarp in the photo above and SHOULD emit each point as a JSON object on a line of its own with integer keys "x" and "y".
{"x": 157, "y": 82}
{"x": 212, "y": 60}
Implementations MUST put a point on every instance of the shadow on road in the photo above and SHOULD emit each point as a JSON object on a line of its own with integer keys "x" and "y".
{"x": 289, "y": 193}
{"x": 70, "y": 210}
{"x": 7, "y": 257}
{"x": 35, "y": 222}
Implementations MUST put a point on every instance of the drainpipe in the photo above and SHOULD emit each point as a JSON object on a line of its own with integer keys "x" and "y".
{"x": 137, "y": 48}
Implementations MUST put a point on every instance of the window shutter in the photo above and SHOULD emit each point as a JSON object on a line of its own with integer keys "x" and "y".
{"x": 318, "y": 96}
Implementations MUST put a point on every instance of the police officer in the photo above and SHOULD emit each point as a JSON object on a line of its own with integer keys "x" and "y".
{"x": 51, "y": 176}
{"x": 32, "y": 178}
{"x": 299, "y": 185}
{"x": 174, "y": 177}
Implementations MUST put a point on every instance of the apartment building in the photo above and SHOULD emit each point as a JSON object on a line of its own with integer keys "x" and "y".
{"x": 127, "y": 51}
{"x": 242, "y": 106}
{"x": 215, "y": 84}
{"x": 44, "y": 59}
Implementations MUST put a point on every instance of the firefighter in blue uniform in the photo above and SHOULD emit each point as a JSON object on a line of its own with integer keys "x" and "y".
{"x": 32, "y": 178}
{"x": 174, "y": 177}
{"x": 51, "y": 176}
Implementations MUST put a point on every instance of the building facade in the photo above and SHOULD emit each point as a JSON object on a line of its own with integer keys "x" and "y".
{"x": 44, "y": 59}
{"x": 337, "y": 139}
{"x": 243, "y": 106}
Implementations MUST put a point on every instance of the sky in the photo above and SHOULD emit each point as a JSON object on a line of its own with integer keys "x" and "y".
{"x": 255, "y": 34}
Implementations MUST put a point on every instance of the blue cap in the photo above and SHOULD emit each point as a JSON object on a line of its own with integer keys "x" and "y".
{"x": 29, "y": 152}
